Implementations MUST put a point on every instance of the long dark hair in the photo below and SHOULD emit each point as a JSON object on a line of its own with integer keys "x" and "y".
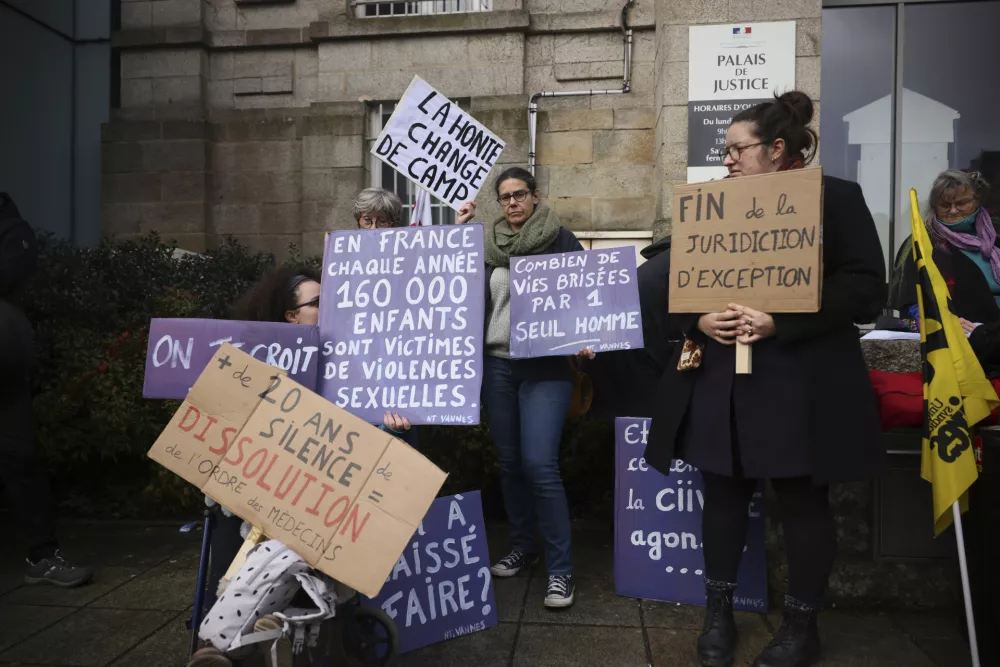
{"x": 274, "y": 295}
{"x": 786, "y": 117}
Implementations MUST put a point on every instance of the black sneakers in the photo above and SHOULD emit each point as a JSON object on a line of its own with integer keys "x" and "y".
{"x": 57, "y": 571}
{"x": 512, "y": 563}
{"x": 560, "y": 591}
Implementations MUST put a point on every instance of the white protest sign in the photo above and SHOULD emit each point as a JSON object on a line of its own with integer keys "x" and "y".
{"x": 439, "y": 147}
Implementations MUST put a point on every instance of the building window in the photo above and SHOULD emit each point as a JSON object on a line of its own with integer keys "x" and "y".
{"x": 374, "y": 8}
{"x": 384, "y": 176}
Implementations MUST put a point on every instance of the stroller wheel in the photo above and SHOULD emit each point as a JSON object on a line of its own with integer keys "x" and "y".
{"x": 370, "y": 637}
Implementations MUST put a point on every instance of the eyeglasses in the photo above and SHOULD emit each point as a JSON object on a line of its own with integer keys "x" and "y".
{"x": 368, "y": 222}
{"x": 964, "y": 204}
{"x": 518, "y": 196}
{"x": 312, "y": 302}
{"x": 735, "y": 151}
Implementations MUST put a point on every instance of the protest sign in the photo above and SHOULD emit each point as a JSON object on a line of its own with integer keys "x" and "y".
{"x": 179, "y": 350}
{"x": 402, "y": 322}
{"x": 435, "y": 144}
{"x": 560, "y": 304}
{"x": 341, "y": 493}
{"x": 753, "y": 240}
{"x": 658, "y": 548}
{"x": 441, "y": 586}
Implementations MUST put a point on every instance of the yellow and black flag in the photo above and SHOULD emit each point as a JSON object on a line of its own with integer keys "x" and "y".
{"x": 957, "y": 394}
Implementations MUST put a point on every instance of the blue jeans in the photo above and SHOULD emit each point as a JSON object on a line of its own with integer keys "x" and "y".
{"x": 526, "y": 419}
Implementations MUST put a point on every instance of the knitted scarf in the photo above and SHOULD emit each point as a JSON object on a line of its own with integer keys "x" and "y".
{"x": 984, "y": 240}
{"x": 536, "y": 234}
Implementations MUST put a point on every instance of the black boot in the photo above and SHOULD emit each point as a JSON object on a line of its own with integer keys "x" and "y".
{"x": 796, "y": 644}
{"x": 717, "y": 640}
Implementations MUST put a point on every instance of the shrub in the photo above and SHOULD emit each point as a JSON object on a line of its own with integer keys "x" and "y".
{"x": 91, "y": 309}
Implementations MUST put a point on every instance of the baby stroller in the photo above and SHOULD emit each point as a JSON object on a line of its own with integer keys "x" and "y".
{"x": 304, "y": 601}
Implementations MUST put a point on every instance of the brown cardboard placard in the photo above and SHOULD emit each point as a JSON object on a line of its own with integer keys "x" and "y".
{"x": 304, "y": 471}
{"x": 753, "y": 240}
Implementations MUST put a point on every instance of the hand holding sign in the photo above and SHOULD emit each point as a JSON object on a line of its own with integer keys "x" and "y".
{"x": 753, "y": 324}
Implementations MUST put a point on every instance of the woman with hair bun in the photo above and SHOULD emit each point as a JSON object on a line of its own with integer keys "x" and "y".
{"x": 805, "y": 418}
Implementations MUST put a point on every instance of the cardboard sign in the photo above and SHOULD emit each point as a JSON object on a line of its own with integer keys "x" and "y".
{"x": 179, "y": 350}
{"x": 341, "y": 493}
{"x": 441, "y": 586}
{"x": 658, "y": 548}
{"x": 562, "y": 303}
{"x": 752, "y": 240}
{"x": 435, "y": 144}
{"x": 402, "y": 322}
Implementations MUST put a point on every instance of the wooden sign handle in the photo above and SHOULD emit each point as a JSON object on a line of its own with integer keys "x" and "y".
{"x": 744, "y": 359}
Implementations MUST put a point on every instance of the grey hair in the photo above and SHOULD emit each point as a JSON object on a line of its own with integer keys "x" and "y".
{"x": 378, "y": 202}
{"x": 951, "y": 179}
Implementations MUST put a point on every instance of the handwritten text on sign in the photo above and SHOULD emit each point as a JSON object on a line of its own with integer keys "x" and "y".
{"x": 309, "y": 474}
{"x": 435, "y": 144}
{"x": 441, "y": 586}
{"x": 658, "y": 547}
{"x": 179, "y": 350}
{"x": 752, "y": 240}
{"x": 560, "y": 304}
{"x": 402, "y": 322}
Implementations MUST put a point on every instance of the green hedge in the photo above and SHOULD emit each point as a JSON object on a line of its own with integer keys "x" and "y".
{"x": 91, "y": 310}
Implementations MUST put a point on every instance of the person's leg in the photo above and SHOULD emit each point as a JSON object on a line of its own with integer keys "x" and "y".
{"x": 811, "y": 545}
{"x": 724, "y": 521}
{"x": 503, "y": 416}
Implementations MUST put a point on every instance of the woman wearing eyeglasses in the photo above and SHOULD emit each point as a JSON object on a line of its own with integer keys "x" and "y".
{"x": 805, "y": 418}
{"x": 526, "y": 400}
{"x": 966, "y": 251}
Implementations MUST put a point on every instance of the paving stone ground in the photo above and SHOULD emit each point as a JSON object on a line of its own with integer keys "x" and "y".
{"x": 134, "y": 615}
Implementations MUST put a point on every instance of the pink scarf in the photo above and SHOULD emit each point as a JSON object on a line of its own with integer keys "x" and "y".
{"x": 984, "y": 240}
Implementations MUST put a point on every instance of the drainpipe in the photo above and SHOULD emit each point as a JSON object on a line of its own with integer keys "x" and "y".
{"x": 626, "y": 87}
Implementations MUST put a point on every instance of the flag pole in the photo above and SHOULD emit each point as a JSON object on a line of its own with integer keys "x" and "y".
{"x": 966, "y": 591}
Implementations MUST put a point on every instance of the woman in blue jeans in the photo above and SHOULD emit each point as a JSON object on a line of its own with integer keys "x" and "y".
{"x": 526, "y": 400}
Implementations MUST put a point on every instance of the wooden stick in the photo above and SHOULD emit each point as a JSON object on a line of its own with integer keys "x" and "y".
{"x": 744, "y": 359}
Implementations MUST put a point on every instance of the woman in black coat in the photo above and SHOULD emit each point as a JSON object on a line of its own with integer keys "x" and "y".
{"x": 805, "y": 417}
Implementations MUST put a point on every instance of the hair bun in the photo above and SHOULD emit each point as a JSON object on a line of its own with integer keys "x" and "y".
{"x": 799, "y": 104}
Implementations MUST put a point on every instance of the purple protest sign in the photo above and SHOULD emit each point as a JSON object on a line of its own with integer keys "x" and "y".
{"x": 441, "y": 587}
{"x": 658, "y": 549}
{"x": 401, "y": 318}
{"x": 179, "y": 350}
{"x": 560, "y": 304}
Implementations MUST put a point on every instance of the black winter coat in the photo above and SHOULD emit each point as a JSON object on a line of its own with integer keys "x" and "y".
{"x": 826, "y": 374}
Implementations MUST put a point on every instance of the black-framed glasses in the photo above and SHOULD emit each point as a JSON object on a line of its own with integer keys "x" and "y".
{"x": 517, "y": 195}
{"x": 311, "y": 302}
{"x": 369, "y": 222}
{"x": 735, "y": 151}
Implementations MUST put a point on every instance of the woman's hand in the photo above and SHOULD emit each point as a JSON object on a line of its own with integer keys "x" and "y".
{"x": 968, "y": 326}
{"x": 394, "y": 422}
{"x": 720, "y": 327}
{"x": 754, "y": 325}
{"x": 586, "y": 353}
{"x": 466, "y": 212}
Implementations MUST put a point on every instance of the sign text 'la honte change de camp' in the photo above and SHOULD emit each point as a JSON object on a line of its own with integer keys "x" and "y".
{"x": 752, "y": 240}
{"x": 343, "y": 494}
{"x": 401, "y": 319}
{"x": 437, "y": 145}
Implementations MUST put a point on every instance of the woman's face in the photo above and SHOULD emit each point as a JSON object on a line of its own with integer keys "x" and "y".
{"x": 372, "y": 220}
{"x": 307, "y": 300}
{"x": 956, "y": 205}
{"x": 745, "y": 155}
{"x": 517, "y": 200}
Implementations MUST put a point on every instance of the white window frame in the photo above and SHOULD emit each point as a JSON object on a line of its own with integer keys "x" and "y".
{"x": 378, "y": 115}
{"x": 370, "y": 9}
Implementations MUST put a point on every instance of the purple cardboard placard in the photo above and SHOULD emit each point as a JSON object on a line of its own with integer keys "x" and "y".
{"x": 562, "y": 303}
{"x": 658, "y": 549}
{"x": 401, "y": 319}
{"x": 179, "y": 350}
{"x": 441, "y": 587}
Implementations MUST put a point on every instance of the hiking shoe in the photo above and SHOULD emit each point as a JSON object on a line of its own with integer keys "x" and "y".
{"x": 560, "y": 592}
{"x": 279, "y": 652}
{"x": 209, "y": 657}
{"x": 57, "y": 571}
{"x": 512, "y": 563}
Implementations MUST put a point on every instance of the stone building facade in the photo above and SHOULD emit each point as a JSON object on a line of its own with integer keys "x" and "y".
{"x": 254, "y": 118}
